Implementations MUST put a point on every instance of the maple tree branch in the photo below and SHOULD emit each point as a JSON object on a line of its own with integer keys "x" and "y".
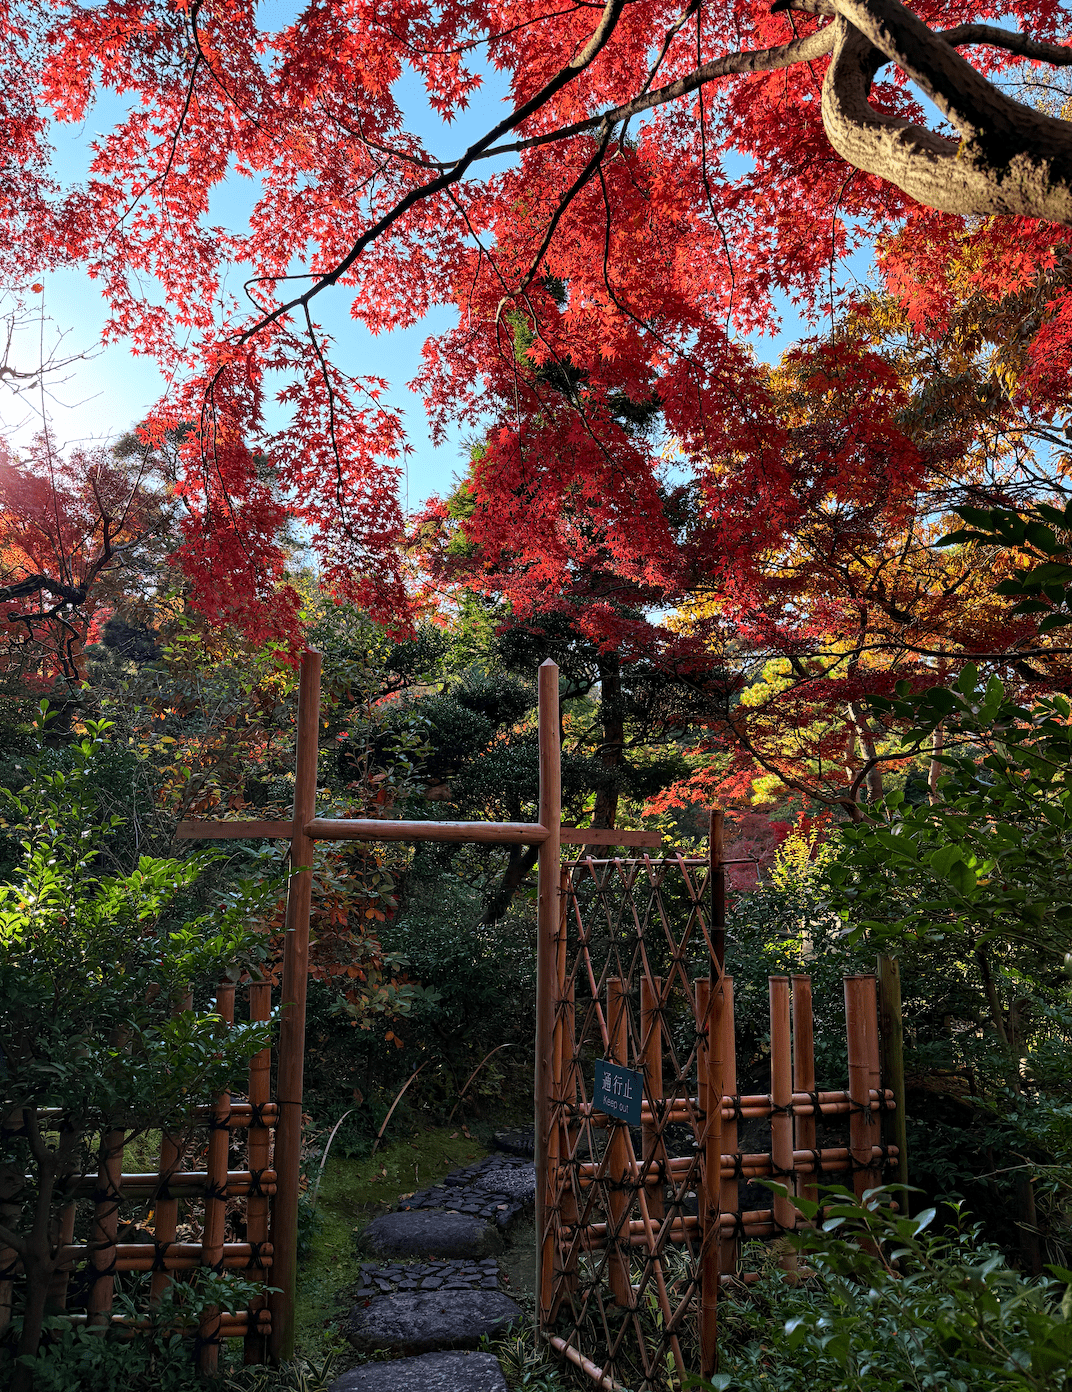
{"x": 1011, "y": 159}
{"x": 566, "y": 74}
{"x": 758, "y": 60}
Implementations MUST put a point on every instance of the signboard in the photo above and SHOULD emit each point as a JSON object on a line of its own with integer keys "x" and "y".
{"x": 618, "y": 1092}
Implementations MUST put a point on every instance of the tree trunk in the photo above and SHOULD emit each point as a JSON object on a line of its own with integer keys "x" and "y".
{"x": 612, "y": 715}
{"x": 38, "y": 1263}
{"x": 873, "y": 779}
{"x": 522, "y": 859}
{"x": 934, "y": 772}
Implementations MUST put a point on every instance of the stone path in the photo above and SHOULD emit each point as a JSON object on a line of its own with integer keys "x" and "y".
{"x": 431, "y": 1372}
{"x": 440, "y": 1275}
{"x": 498, "y": 1189}
{"x": 418, "y": 1321}
{"x": 431, "y": 1233}
{"x": 436, "y": 1285}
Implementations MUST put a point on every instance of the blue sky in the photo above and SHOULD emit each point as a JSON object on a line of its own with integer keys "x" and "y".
{"x": 106, "y": 392}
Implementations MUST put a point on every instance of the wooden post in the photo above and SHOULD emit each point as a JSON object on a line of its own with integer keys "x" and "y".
{"x": 619, "y": 1155}
{"x": 216, "y": 1166}
{"x": 710, "y": 1092}
{"x": 728, "y": 1201}
{"x": 651, "y": 1036}
{"x": 859, "y": 999}
{"x": 891, "y": 1040}
{"x": 292, "y": 1028}
{"x": 804, "y": 1071}
{"x": 781, "y": 1095}
{"x": 166, "y": 1217}
{"x": 717, "y": 835}
{"x": 547, "y": 930}
{"x": 258, "y": 1141}
{"x": 104, "y": 1229}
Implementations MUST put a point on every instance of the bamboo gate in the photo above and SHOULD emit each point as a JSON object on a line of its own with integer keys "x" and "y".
{"x": 621, "y": 993}
{"x": 638, "y": 1228}
{"x": 267, "y": 1189}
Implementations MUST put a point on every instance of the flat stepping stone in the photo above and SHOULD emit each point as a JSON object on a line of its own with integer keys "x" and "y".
{"x": 520, "y": 1142}
{"x": 430, "y": 1372}
{"x": 497, "y": 1189}
{"x": 448, "y": 1275}
{"x": 431, "y": 1233}
{"x": 417, "y": 1321}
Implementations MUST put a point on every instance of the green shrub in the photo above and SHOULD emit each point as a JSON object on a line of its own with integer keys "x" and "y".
{"x": 891, "y": 1304}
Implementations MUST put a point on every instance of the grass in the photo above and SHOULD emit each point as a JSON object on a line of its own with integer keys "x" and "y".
{"x": 352, "y": 1193}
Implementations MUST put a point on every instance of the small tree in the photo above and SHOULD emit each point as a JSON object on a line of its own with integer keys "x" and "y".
{"x": 93, "y": 973}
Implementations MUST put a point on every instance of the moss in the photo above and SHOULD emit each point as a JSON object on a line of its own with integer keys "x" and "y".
{"x": 352, "y": 1193}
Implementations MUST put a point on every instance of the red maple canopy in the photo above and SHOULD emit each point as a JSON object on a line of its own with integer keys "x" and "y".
{"x": 671, "y": 168}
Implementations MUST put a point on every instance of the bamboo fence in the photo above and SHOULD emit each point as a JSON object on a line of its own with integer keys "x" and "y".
{"x": 641, "y": 1226}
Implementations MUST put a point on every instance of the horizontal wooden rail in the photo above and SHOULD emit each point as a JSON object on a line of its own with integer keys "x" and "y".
{"x": 232, "y": 1326}
{"x": 373, "y": 829}
{"x": 758, "y": 1105}
{"x": 227, "y": 831}
{"x": 652, "y": 1173}
{"x": 182, "y": 1184}
{"x": 377, "y": 829}
{"x": 758, "y": 1222}
{"x": 173, "y": 1256}
{"x": 239, "y": 1114}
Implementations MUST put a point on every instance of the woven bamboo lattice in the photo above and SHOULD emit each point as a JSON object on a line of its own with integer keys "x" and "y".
{"x": 640, "y": 1226}
{"x": 183, "y": 1203}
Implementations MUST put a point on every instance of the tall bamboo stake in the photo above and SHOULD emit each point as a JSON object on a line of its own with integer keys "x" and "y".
{"x": 619, "y": 1152}
{"x": 105, "y": 1228}
{"x": 710, "y": 1091}
{"x": 717, "y": 838}
{"x": 803, "y": 1069}
{"x": 728, "y": 1202}
{"x": 258, "y": 1141}
{"x": 292, "y": 1029}
{"x": 216, "y": 1198}
{"x": 166, "y": 1215}
{"x": 547, "y": 930}
{"x": 651, "y": 1036}
{"x": 859, "y": 999}
{"x": 781, "y": 1094}
{"x": 893, "y": 1075}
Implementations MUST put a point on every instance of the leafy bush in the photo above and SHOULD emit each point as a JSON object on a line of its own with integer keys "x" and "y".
{"x": 93, "y": 970}
{"x": 887, "y": 1303}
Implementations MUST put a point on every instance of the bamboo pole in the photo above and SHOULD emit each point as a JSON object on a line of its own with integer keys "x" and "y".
{"x": 874, "y": 1073}
{"x": 728, "y": 1201}
{"x": 781, "y": 1124}
{"x": 216, "y": 1200}
{"x": 803, "y": 1069}
{"x": 893, "y": 1075}
{"x": 751, "y": 1166}
{"x": 377, "y": 829}
{"x": 547, "y": 929}
{"x": 709, "y": 1087}
{"x": 857, "y": 989}
{"x": 651, "y": 1036}
{"x": 619, "y": 1149}
{"x": 105, "y": 1228}
{"x": 292, "y": 1029}
{"x": 258, "y": 1141}
{"x": 753, "y": 1105}
{"x": 166, "y": 1213}
{"x": 717, "y": 838}
{"x": 175, "y": 1256}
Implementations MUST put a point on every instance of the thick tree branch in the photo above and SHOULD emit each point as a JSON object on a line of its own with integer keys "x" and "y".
{"x": 1012, "y": 160}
